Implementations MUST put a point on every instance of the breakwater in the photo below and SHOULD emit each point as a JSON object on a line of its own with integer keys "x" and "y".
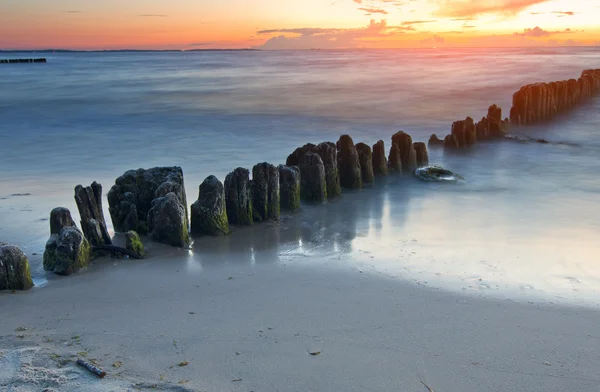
{"x": 16, "y": 61}
{"x": 150, "y": 202}
{"x": 532, "y": 104}
{"x": 539, "y": 102}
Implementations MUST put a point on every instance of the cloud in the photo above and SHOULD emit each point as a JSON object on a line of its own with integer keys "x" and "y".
{"x": 412, "y": 22}
{"x": 538, "y": 32}
{"x": 301, "y": 31}
{"x": 153, "y": 15}
{"x": 207, "y": 43}
{"x": 558, "y": 13}
{"x": 468, "y": 26}
{"x": 373, "y": 10}
{"x": 329, "y": 38}
{"x": 73, "y": 12}
{"x": 468, "y": 9}
{"x": 357, "y": 1}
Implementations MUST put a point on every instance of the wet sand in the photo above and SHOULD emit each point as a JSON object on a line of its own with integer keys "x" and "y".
{"x": 243, "y": 326}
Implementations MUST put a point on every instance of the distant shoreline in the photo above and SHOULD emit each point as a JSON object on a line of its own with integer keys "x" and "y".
{"x": 124, "y": 50}
{"x": 278, "y": 50}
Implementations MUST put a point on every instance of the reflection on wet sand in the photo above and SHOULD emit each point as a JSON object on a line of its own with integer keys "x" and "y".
{"x": 325, "y": 230}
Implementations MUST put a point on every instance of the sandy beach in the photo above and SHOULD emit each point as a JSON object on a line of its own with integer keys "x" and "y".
{"x": 491, "y": 284}
{"x": 172, "y": 322}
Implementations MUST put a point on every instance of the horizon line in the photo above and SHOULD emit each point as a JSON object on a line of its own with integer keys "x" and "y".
{"x": 285, "y": 50}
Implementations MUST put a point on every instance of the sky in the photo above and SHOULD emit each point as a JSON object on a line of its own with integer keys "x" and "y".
{"x": 295, "y": 24}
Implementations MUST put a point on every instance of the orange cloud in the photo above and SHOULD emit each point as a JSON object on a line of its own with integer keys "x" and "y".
{"x": 373, "y": 10}
{"x": 468, "y": 9}
{"x": 328, "y": 38}
{"x": 539, "y": 32}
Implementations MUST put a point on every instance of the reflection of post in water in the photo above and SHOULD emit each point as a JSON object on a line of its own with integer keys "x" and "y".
{"x": 340, "y": 222}
{"x": 265, "y": 241}
{"x": 231, "y": 249}
{"x": 376, "y": 205}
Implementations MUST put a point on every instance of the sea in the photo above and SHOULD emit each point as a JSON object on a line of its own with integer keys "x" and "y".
{"x": 525, "y": 224}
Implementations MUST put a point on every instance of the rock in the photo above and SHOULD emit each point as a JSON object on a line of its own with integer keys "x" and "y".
{"x": 209, "y": 213}
{"x": 394, "y": 161}
{"x": 14, "y": 269}
{"x": 167, "y": 221}
{"x": 422, "y": 155}
{"x": 289, "y": 187}
{"x": 451, "y": 142}
{"x": 67, "y": 252}
{"x": 328, "y": 153}
{"x": 89, "y": 204}
{"x": 265, "y": 192}
{"x": 438, "y": 174}
{"x": 365, "y": 157}
{"x": 238, "y": 199}
{"x": 134, "y": 244}
{"x": 60, "y": 217}
{"x": 408, "y": 155}
{"x": 458, "y": 131}
{"x": 434, "y": 141}
{"x": 313, "y": 183}
{"x": 380, "y": 164}
{"x": 131, "y": 198}
{"x": 349, "y": 164}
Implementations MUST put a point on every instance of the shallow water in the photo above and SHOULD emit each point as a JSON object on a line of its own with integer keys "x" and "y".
{"x": 525, "y": 223}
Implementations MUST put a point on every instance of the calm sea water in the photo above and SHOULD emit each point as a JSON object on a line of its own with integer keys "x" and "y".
{"x": 527, "y": 220}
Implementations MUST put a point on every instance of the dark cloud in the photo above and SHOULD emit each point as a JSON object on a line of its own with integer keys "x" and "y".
{"x": 468, "y": 9}
{"x": 373, "y": 10}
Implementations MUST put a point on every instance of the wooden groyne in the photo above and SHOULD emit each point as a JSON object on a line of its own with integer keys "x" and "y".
{"x": 153, "y": 201}
{"x": 17, "y": 61}
{"x": 539, "y": 102}
{"x": 532, "y": 104}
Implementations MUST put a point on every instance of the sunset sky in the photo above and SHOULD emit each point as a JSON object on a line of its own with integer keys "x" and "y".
{"x": 295, "y": 24}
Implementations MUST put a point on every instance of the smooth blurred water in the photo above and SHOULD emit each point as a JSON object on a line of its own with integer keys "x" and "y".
{"x": 527, "y": 217}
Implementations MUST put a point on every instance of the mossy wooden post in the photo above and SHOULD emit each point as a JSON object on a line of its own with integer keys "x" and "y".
{"x": 408, "y": 155}
{"x": 380, "y": 164}
{"x": 422, "y": 155}
{"x": 134, "y": 244}
{"x": 365, "y": 156}
{"x": 349, "y": 164}
{"x": 312, "y": 177}
{"x": 67, "y": 250}
{"x": 14, "y": 269}
{"x": 328, "y": 153}
{"x": 209, "y": 213}
{"x": 289, "y": 187}
{"x": 265, "y": 192}
{"x": 394, "y": 161}
{"x": 89, "y": 204}
{"x": 238, "y": 199}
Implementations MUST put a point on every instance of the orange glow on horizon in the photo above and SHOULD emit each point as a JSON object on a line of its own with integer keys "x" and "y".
{"x": 284, "y": 24}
